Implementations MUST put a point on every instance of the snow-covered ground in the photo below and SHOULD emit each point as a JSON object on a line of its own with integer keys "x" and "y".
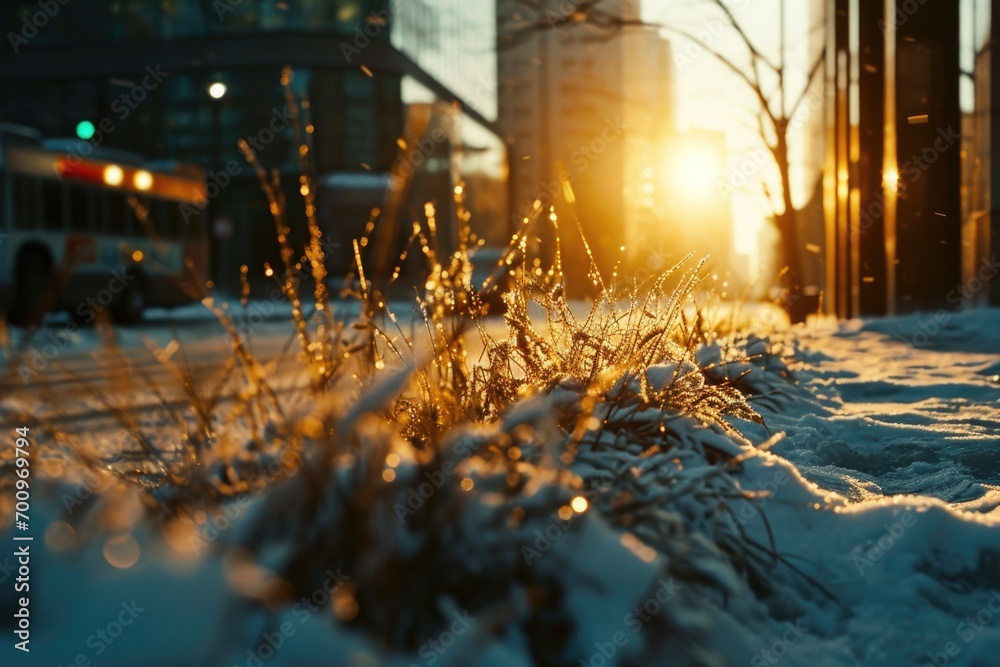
{"x": 885, "y": 494}
{"x": 892, "y": 410}
{"x": 895, "y": 432}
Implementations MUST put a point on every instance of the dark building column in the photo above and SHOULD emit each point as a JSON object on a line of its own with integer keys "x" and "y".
{"x": 928, "y": 120}
{"x": 994, "y": 150}
{"x": 870, "y": 278}
{"x": 838, "y": 159}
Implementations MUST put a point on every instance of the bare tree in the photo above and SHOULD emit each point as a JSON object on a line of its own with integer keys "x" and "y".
{"x": 775, "y": 115}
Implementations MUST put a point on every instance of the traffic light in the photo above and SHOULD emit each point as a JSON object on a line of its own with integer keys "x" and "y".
{"x": 85, "y": 130}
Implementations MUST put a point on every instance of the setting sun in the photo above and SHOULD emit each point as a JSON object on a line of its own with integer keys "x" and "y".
{"x": 694, "y": 169}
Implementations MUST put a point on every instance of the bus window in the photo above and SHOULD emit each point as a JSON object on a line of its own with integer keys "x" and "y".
{"x": 158, "y": 219}
{"x": 143, "y": 214}
{"x": 173, "y": 222}
{"x": 25, "y": 201}
{"x": 196, "y": 226}
{"x": 113, "y": 206}
{"x": 81, "y": 209}
{"x": 129, "y": 214}
{"x": 53, "y": 205}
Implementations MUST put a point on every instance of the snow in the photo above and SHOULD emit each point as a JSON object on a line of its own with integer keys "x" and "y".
{"x": 883, "y": 499}
{"x": 890, "y": 491}
{"x": 881, "y": 416}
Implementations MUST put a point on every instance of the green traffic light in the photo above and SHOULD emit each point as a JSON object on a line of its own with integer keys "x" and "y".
{"x": 85, "y": 130}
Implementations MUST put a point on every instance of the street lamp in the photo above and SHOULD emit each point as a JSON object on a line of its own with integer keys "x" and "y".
{"x": 217, "y": 90}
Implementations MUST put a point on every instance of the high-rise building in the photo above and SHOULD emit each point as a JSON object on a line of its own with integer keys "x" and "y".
{"x": 377, "y": 76}
{"x": 910, "y": 201}
{"x": 585, "y": 101}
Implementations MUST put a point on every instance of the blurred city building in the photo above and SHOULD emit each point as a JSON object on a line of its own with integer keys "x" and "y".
{"x": 909, "y": 192}
{"x": 590, "y": 104}
{"x": 807, "y": 142}
{"x": 372, "y": 72}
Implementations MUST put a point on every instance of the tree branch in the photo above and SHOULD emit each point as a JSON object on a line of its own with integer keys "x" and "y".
{"x": 581, "y": 12}
{"x": 750, "y": 81}
{"x": 813, "y": 70}
{"x": 755, "y": 54}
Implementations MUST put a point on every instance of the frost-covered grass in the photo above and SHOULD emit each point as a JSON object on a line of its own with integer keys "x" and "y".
{"x": 476, "y": 485}
{"x": 497, "y": 472}
{"x": 571, "y": 483}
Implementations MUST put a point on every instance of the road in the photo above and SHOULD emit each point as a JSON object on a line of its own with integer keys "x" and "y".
{"x": 85, "y": 378}
{"x": 56, "y": 372}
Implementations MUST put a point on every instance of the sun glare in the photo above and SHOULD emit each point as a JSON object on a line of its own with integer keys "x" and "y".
{"x": 694, "y": 169}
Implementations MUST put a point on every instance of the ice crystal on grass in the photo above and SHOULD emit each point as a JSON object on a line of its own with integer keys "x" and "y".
{"x": 587, "y": 452}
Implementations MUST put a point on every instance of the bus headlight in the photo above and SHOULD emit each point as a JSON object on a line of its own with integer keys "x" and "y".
{"x": 113, "y": 175}
{"x": 143, "y": 180}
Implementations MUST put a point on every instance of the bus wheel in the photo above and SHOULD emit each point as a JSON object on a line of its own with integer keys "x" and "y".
{"x": 129, "y": 306}
{"x": 34, "y": 273}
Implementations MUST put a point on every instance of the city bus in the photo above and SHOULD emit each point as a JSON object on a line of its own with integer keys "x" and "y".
{"x": 96, "y": 231}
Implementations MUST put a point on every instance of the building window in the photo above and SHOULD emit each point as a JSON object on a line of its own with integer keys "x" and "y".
{"x": 420, "y": 28}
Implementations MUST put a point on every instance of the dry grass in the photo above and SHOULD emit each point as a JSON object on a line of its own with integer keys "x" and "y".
{"x": 552, "y": 406}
